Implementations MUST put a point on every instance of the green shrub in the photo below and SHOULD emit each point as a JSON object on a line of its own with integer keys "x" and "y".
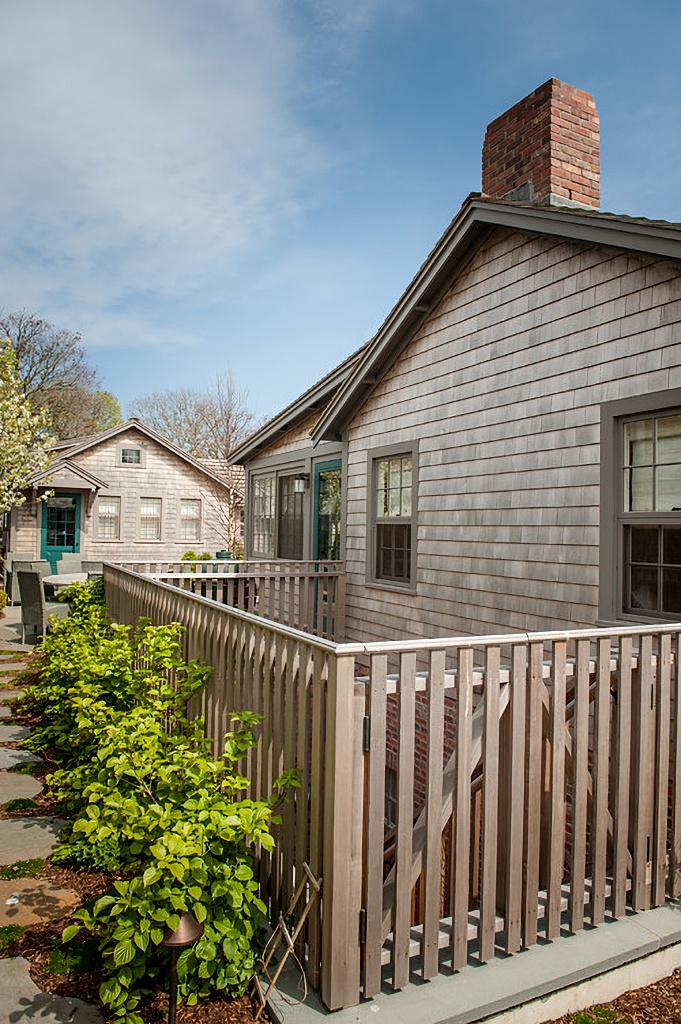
{"x": 3, "y": 601}
{"x": 151, "y": 803}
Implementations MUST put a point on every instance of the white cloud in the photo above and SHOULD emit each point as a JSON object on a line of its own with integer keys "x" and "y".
{"x": 146, "y": 147}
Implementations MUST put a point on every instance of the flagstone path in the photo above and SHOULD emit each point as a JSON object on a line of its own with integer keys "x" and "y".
{"x": 26, "y": 901}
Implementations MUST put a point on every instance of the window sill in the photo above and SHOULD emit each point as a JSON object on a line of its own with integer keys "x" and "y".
{"x": 393, "y": 587}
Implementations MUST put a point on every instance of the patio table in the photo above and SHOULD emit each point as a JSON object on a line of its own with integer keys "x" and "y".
{"x": 64, "y": 579}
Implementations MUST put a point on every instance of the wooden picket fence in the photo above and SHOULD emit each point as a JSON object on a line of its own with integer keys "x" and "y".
{"x": 538, "y": 780}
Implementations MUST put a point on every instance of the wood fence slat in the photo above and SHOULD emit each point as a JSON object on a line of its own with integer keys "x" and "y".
{"x": 622, "y": 757}
{"x": 317, "y": 808}
{"x": 533, "y": 781}
{"x": 675, "y": 846}
{"x": 373, "y": 826}
{"x": 432, "y": 872}
{"x": 490, "y": 807}
{"x": 663, "y": 724}
{"x": 462, "y": 803}
{"x": 600, "y": 782}
{"x": 405, "y": 818}
{"x": 580, "y": 770}
{"x": 557, "y": 793}
{"x": 516, "y": 798}
{"x": 641, "y": 791}
{"x": 340, "y": 975}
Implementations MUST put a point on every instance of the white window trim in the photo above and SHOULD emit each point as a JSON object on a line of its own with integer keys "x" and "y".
{"x": 98, "y": 536}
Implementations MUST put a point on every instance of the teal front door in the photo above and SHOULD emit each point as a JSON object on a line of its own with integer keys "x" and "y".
{"x": 327, "y": 532}
{"x": 327, "y": 510}
{"x": 60, "y": 532}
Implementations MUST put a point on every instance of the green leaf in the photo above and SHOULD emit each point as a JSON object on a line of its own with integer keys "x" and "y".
{"x": 151, "y": 875}
{"x": 70, "y": 932}
{"x": 123, "y": 952}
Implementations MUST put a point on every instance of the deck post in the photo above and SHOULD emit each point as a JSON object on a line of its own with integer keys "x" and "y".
{"x": 341, "y": 839}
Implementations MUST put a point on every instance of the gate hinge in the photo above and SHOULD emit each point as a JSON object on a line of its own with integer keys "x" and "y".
{"x": 362, "y": 926}
{"x": 366, "y": 734}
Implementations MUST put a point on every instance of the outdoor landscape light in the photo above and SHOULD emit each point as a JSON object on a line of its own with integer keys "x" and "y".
{"x": 186, "y": 933}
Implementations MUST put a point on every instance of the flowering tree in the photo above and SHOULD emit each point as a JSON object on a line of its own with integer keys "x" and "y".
{"x": 24, "y": 435}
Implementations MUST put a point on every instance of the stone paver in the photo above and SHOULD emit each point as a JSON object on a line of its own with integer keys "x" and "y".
{"x": 17, "y": 786}
{"x": 13, "y": 733}
{"x": 5, "y": 711}
{"x": 11, "y": 758}
{"x": 21, "y": 1000}
{"x": 26, "y": 838}
{"x": 26, "y": 901}
{"x": 10, "y": 694}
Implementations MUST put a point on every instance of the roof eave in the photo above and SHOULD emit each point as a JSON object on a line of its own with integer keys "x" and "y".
{"x": 474, "y": 223}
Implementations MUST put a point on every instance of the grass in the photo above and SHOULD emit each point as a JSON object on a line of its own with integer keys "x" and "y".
{"x": 597, "y": 1015}
{"x": 9, "y": 933}
{"x": 23, "y": 868}
{"x": 26, "y": 768}
{"x": 75, "y": 958}
{"x": 20, "y": 803}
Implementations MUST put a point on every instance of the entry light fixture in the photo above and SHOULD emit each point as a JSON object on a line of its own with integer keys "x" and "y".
{"x": 301, "y": 482}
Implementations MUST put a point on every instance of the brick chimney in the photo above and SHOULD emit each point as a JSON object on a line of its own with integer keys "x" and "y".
{"x": 545, "y": 149}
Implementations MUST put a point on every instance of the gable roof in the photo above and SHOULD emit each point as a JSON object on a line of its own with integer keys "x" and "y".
{"x": 313, "y": 400}
{"x": 66, "y": 467}
{"x": 69, "y": 449}
{"x": 475, "y": 222}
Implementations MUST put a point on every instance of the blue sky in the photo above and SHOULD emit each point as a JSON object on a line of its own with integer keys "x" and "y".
{"x": 249, "y": 185}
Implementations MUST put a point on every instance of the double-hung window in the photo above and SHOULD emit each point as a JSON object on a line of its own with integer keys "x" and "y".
{"x": 108, "y": 518}
{"x": 393, "y": 522}
{"x": 150, "y": 518}
{"x": 651, "y": 516}
{"x": 190, "y": 519}
{"x": 641, "y": 514}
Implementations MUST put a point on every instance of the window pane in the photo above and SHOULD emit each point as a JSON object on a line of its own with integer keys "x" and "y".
{"x": 668, "y": 488}
{"x": 671, "y": 590}
{"x": 131, "y": 456}
{"x": 638, "y": 443}
{"x": 643, "y": 588}
{"x": 669, "y": 439}
{"x": 644, "y": 544}
{"x": 638, "y": 490}
{"x": 671, "y": 537}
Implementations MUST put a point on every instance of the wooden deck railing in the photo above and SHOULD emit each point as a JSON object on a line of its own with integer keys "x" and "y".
{"x": 538, "y": 780}
{"x": 307, "y": 595}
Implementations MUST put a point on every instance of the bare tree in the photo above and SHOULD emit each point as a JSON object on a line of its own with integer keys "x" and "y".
{"x": 57, "y": 376}
{"x": 208, "y": 424}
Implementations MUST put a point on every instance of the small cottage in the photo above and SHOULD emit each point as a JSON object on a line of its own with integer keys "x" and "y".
{"x": 127, "y": 494}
